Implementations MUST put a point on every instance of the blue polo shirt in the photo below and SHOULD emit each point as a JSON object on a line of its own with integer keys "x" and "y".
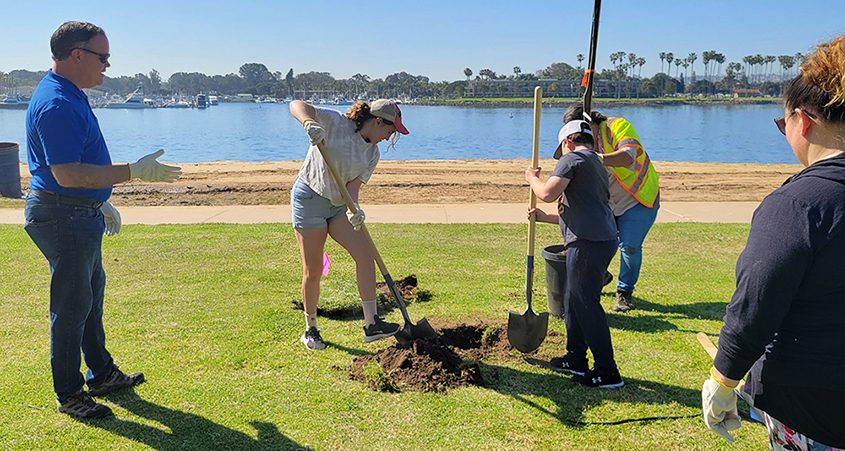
{"x": 61, "y": 128}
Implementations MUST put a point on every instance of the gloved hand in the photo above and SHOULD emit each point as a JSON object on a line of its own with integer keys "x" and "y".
{"x": 719, "y": 405}
{"x": 111, "y": 217}
{"x": 357, "y": 218}
{"x": 316, "y": 132}
{"x": 150, "y": 170}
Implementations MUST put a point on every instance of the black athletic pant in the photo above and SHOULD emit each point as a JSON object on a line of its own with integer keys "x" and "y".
{"x": 586, "y": 323}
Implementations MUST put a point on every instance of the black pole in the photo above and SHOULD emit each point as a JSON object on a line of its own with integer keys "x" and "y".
{"x": 591, "y": 62}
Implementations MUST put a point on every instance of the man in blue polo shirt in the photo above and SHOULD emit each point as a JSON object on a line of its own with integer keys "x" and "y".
{"x": 67, "y": 211}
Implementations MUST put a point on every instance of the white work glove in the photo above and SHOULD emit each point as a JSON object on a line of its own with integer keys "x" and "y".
{"x": 111, "y": 217}
{"x": 719, "y": 406}
{"x": 357, "y": 218}
{"x": 150, "y": 170}
{"x": 316, "y": 132}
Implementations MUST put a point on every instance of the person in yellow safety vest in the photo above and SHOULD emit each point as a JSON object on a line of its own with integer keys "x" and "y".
{"x": 634, "y": 194}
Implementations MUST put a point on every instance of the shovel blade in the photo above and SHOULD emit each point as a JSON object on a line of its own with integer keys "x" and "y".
{"x": 527, "y": 331}
{"x": 411, "y": 332}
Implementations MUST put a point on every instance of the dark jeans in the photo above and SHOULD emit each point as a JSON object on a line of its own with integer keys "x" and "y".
{"x": 70, "y": 237}
{"x": 586, "y": 323}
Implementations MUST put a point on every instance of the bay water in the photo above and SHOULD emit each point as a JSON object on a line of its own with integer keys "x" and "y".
{"x": 267, "y": 132}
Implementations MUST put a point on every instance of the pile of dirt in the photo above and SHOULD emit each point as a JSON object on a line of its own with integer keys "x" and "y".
{"x": 435, "y": 364}
{"x": 385, "y": 303}
{"x": 407, "y": 286}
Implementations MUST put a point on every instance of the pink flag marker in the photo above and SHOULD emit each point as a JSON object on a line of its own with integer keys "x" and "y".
{"x": 326, "y": 263}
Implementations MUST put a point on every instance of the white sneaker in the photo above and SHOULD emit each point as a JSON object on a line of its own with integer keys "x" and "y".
{"x": 312, "y": 339}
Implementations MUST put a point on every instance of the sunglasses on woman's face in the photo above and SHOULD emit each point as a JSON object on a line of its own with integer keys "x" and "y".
{"x": 780, "y": 122}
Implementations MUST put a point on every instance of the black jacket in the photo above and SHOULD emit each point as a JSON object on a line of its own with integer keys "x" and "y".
{"x": 787, "y": 315}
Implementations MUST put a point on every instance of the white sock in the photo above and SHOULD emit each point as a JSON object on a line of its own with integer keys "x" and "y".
{"x": 370, "y": 311}
{"x": 310, "y": 320}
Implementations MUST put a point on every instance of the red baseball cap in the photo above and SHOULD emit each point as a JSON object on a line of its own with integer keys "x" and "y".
{"x": 389, "y": 110}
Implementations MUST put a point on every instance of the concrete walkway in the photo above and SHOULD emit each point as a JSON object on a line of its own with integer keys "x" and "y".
{"x": 403, "y": 214}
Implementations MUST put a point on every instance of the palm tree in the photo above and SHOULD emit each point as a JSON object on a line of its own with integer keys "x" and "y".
{"x": 662, "y": 57}
{"x": 786, "y": 63}
{"x": 669, "y": 58}
{"x": 632, "y": 59}
{"x": 516, "y": 71}
{"x": 771, "y": 60}
{"x": 640, "y": 64}
{"x": 691, "y": 59}
{"x": 580, "y": 58}
{"x": 720, "y": 58}
{"x": 747, "y": 59}
{"x": 468, "y": 73}
{"x": 678, "y": 63}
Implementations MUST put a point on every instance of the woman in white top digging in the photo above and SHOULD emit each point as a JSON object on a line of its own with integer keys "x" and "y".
{"x": 317, "y": 208}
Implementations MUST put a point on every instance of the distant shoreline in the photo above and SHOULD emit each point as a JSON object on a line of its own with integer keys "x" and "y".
{"x": 603, "y": 102}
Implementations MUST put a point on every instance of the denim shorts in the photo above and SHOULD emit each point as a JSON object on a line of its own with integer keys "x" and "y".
{"x": 309, "y": 210}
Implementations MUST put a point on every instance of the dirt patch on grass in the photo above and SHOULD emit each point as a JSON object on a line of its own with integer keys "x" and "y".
{"x": 435, "y": 364}
{"x": 385, "y": 302}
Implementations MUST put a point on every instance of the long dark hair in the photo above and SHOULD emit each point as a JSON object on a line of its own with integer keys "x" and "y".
{"x": 576, "y": 112}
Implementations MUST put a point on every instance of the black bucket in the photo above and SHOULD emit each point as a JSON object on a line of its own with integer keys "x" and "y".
{"x": 555, "y": 257}
{"x": 10, "y": 171}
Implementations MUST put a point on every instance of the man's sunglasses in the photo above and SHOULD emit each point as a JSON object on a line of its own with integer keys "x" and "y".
{"x": 104, "y": 57}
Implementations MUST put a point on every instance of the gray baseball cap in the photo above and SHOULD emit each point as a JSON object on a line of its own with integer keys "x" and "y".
{"x": 389, "y": 110}
{"x": 568, "y": 129}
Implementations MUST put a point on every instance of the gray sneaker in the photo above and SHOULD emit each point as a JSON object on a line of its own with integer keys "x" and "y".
{"x": 380, "y": 329}
{"x": 623, "y": 302}
{"x": 312, "y": 339}
{"x": 82, "y": 406}
{"x": 115, "y": 381}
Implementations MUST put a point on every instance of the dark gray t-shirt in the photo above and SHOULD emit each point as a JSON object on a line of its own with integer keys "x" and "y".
{"x": 586, "y": 214}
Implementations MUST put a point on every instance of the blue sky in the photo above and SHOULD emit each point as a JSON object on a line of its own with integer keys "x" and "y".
{"x": 431, "y": 37}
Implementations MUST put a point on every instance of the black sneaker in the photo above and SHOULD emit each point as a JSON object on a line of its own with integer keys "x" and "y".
{"x": 608, "y": 277}
{"x": 601, "y": 379}
{"x": 623, "y": 302}
{"x": 312, "y": 339}
{"x": 116, "y": 380}
{"x": 570, "y": 364}
{"x": 380, "y": 329}
{"x": 82, "y": 406}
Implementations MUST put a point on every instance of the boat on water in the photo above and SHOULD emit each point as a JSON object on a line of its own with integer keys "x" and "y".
{"x": 177, "y": 104}
{"x": 13, "y": 102}
{"x": 201, "y": 101}
{"x": 213, "y": 100}
{"x": 134, "y": 101}
{"x": 340, "y": 100}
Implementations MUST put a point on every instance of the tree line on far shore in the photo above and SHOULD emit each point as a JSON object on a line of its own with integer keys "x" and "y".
{"x": 756, "y": 72}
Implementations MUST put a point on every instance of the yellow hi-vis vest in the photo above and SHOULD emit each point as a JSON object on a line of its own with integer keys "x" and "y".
{"x": 616, "y": 133}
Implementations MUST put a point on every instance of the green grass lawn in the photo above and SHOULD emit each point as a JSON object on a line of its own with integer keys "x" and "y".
{"x": 204, "y": 311}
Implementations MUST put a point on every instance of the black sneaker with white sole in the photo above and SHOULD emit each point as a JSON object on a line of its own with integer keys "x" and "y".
{"x": 380, "y": 329}
{"x": 570, "y": 364}
{"x": 82, "y": 406}
{"x": 601, "y": 379}
{"x": 115, "y": 381}
{"x": 312, "y": 339}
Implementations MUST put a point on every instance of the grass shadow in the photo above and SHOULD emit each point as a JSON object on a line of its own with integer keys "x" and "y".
{"x": 639, "y": 323}
{"x": 183, "y": 430}
{"x": 573, "y": 400}
{"x": 708, "y": 310}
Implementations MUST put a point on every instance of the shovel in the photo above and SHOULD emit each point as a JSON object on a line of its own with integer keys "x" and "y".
{"x": 410, "y": 331}
{"x": 527, "y": 331}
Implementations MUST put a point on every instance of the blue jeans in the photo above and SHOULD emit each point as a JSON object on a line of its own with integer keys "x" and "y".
{"x": 70, "y": 237}
{"x": 633, "y": 226}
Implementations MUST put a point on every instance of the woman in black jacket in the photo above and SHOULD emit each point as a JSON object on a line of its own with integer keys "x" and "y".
{"x": 786, "y": 320}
